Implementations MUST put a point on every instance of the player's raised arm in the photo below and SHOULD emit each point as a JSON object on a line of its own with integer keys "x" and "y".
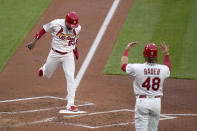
{"x": 164, "y": 49}
{"x": 37, "y": 36}
{"x": 124, "y": 58}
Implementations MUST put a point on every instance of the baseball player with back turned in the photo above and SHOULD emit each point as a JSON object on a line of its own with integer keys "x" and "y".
{"x": 148, "y": 84}
{"x": 65, "y": 34}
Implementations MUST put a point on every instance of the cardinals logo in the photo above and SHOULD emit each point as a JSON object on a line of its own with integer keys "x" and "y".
{"x": 63, "y": 36}
{"x": 68, "y": 37}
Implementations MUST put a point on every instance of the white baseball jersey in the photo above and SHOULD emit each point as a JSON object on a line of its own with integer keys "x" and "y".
{"x": 63, "y": 40}
{"x": 148, "y": 78}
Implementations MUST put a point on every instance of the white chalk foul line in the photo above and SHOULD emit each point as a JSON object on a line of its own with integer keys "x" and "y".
{"x": 39, "y": 97}
{"x": 88, "y": 57}
{"x": 45, "y": 109}
{"x": 31, "y": 123}
{"x": 24, "y": 99}
{"x": 180, "y": 114}
{"x": 112, "y": 125}
{"x": 95, "y": 127}
{"x": 96, "y": 113}
{"x": 84, "y": 103}
{"x": 96, "y": 42}
{"x": 165, "y": 117}
{"x": 51, "y": 119}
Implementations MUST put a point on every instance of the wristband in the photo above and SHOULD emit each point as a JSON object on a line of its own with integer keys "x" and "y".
{"x": 40, "y": 33}
{"x": 37, "y": 36}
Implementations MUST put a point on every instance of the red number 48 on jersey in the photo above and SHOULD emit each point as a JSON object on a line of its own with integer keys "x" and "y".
{"x": 153, "y": 83}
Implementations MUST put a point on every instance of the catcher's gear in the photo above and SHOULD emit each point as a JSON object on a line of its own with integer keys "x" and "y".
{"x": 72, "y": 20}
{"x": 150, "y": 50}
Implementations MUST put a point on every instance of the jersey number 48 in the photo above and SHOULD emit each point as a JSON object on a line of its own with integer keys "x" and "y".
{"x": 153, "y": 83}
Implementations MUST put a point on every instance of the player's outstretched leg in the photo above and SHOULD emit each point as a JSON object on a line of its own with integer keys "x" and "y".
{"x": 69, "y": 70}
{"x": 50, "y": 66}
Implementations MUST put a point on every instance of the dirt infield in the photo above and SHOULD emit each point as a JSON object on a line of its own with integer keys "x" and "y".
{"x": 29, "y": 103}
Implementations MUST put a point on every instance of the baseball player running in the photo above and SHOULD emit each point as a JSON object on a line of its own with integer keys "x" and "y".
{"x": 65, "y": 34}
{"x": 148, "y": 84}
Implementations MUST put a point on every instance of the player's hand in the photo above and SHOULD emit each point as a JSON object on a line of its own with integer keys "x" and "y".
{"x": 31, "y": 44}
{"x": 130, "y": 45}
{"x": 164, "y": 48}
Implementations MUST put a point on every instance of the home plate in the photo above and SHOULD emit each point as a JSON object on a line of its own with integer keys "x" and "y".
{"x": 70, "y": 112}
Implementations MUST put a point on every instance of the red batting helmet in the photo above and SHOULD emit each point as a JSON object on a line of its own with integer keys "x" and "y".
{"x": 72, "y": 19}
{"x": 150, "y": 50}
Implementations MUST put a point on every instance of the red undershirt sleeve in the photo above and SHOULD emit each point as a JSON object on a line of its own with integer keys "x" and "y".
{"x": 124, "y": 67}
{"x": 167, "y": 61}
{"x": 126, "y": 52}
{"x": 40, "y": 33}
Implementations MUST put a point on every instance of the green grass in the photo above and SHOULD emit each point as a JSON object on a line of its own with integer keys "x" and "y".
{"x": 172, "y": 21}
{"x": 17, "y": 17}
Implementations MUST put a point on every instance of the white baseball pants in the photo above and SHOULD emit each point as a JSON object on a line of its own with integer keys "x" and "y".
{"x": 68, "y": 64}
{"x": 147, "y": 114}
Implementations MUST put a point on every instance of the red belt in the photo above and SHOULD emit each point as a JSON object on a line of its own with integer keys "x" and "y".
{"x": 61, "y": 53}
{"x": 144, "y": 96}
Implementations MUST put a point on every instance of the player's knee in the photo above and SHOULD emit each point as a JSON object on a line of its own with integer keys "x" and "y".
{"x": 70, "y": 78}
